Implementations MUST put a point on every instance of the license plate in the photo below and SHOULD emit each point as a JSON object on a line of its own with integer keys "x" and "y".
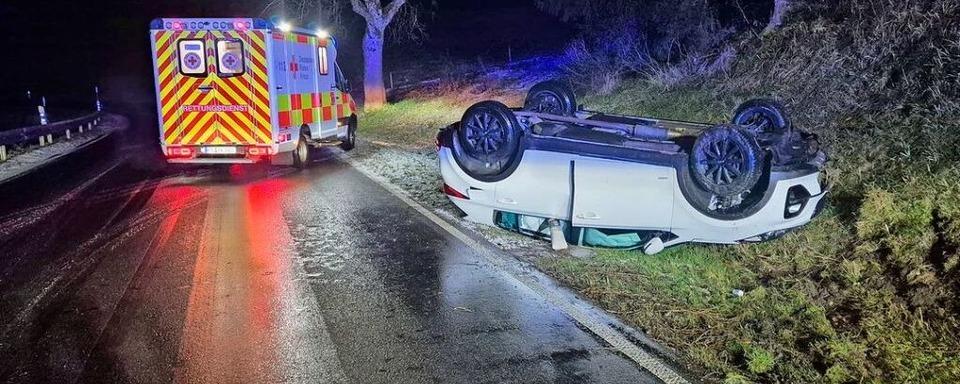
{"x": 218, "y": 150}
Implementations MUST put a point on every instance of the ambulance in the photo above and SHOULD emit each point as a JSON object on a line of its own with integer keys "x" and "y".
{"x": 243, "y": 90}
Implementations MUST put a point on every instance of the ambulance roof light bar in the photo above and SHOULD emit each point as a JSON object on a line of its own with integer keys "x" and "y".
{"x": 192, "y": 24}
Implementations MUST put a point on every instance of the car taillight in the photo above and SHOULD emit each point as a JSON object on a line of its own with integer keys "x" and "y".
{"x": 449, "y": 191}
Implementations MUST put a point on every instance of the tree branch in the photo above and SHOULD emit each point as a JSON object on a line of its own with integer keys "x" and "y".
{"x": 359, "y": 6}
{"x": 392, "y": 8}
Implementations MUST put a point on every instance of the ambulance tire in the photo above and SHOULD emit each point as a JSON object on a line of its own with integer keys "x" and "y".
{"x": 551, "y": 97}
{"x": 301, "y": 153}
{"x": 351, "y": 141}
{"x": 486, "y": 144}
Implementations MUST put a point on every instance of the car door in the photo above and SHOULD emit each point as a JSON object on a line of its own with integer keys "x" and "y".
{"x": 622, "y": 195}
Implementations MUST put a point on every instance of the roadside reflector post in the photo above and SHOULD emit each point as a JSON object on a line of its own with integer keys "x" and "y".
{"x": 43, "y": 141}
{"x": 49, "y": 138}
{"x": 3, "y": 153}
{"x": 80, "y": 127}
{"x": 43, "y": 114}
{"x": 96, "y": 91}
{"x": 89, "y": 125}
{"x": 68, "y": 134}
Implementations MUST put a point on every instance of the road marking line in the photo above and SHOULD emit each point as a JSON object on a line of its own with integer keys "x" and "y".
{"x": 616, "y": 339}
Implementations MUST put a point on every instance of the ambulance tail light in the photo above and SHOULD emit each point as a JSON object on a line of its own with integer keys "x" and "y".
{"x": 177, "y": 26}
{"x": 258, "y": 151}
{"x": 180, "y": 152}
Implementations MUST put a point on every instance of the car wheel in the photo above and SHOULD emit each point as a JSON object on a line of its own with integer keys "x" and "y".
{"x": 726, "y": 160}
{"x": 487, "y": 141}
{"x": 551, "y": 97}
{"x": 762, "y": 116}
{"x": 351, "y": 141}
{"x": 301, "y": 153}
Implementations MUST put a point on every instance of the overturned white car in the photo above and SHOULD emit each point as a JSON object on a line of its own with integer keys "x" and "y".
{"x": 630, "y": 182}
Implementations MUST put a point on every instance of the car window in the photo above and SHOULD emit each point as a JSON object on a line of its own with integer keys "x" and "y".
{"x": 230, "y": 57}
{"x": 192, "y": 59}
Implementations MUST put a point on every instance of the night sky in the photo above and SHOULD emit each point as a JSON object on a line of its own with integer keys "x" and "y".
{"x": 61, "y": 48}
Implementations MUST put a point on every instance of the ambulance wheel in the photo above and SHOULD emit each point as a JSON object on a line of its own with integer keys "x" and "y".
{"x": 726, "y": 160}
{"x": 762, "y": 116}
{"x": 351, "y": 140}
{"x": 301, "y": 154}
{"x": 487, "y": 143}
{"x": 551, "y": 97}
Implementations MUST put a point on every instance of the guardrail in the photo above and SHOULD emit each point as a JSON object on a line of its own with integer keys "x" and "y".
{"x": 46, "y": 134}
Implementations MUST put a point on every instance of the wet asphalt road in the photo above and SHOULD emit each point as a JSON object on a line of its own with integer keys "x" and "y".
{"x": 119, "y": 269}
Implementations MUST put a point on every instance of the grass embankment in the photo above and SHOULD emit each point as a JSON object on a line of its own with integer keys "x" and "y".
{"x": 409, "y": 123}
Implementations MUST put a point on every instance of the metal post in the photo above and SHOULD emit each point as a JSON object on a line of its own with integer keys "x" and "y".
{"x": 3, "y": 153}
{"x": 43, "y": 141}
{"x": 89, "y": 126}
{"x": 80, "y": 128}
{"x": 68, "y": 134}
{"x": 49, "y": 138}
{"x": 391, "y": 80}
{"x": 509, "y": 54}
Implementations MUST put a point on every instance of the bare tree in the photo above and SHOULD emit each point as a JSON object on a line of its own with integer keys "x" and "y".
{"x": 780, "y": 8}
{"x": 378, "y": 17}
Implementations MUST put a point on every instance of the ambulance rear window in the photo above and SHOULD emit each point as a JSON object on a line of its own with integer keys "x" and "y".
{"x": 193, "y": 61}
{"x": 230, "y": 57}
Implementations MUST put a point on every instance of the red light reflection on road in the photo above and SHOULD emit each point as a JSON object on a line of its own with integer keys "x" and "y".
{"x": 240, "y": 290}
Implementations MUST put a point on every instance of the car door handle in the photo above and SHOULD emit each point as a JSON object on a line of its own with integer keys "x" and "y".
{"x": 588, "y": 216}
{"x": 507, "y": 200}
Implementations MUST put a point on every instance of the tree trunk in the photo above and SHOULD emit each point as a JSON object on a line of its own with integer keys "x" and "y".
{"x": 374, "y": 91}
{"x": 780, "y": 8}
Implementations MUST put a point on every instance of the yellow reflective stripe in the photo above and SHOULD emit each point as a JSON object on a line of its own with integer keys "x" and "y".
{"x": 209, "y": 132}
{"x": 196, "y": 127}
{"x": 224, "y": 132}
{"x": 238, "y": 127}
{"x": 188, "y": 121}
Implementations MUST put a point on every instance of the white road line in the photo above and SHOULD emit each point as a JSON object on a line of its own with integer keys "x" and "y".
{"x": 616, "y": 339}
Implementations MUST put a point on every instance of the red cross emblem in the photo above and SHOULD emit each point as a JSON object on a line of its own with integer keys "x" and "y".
{"x": 293, "y": 65}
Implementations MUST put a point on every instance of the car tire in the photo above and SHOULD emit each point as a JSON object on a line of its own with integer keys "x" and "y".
{"x": 726, "y": 160}
{"x": 486, "y": 144}
{"x": 762, "y": 116}
{"x": 301, "y": 153}
{"x": 551, "y": 97}
{"x": 351, "y": 141}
